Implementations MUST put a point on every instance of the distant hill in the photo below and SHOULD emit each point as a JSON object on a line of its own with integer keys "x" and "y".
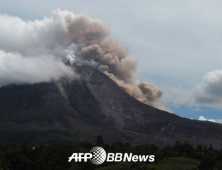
{"x": 78, "y": 110}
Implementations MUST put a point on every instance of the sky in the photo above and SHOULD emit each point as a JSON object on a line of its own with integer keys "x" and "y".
{"x": 177, "y": 44}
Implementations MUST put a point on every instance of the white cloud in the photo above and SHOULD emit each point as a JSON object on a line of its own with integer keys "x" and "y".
{"x": 202, "y": 118}
{"x": 210, "y": 90}
{"x": 212, "y": 120}
{"x": 219, "y": 121}
{"x": 208, "y": 93}
{"x": 35, "y": 51}
{"x": 15, "y": 68}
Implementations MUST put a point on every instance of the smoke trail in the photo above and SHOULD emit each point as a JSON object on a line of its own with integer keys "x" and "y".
{"x": 61, "y": 37}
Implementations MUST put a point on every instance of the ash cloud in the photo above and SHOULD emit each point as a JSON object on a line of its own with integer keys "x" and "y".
{"x": 34, "y": 51}
{"x": 113, "y": 60}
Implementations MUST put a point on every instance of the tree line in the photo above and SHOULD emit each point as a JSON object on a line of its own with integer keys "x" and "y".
{"x": 55, "y": 156}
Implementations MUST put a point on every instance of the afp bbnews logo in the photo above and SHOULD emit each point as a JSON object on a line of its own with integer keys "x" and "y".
{"x": 97, "y": 156}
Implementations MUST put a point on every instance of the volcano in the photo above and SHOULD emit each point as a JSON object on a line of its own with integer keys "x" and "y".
{"x": 92, "y": 105}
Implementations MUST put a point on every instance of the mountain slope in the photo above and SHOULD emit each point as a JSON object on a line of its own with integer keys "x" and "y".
{"x": 76, "y": 110}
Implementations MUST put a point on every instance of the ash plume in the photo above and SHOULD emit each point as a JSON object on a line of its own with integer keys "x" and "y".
{"x": 32, "y": 48}
{"x": 122, "y": 70}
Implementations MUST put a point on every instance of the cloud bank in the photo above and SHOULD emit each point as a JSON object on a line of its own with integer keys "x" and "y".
{"x": 210, "y": 90}
{"x": 207, "y": 93}
{"x": 35, "y": 51}
{"x": 15, "y": 68}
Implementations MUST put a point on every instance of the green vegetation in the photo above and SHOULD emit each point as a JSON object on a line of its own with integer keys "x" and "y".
{"x": 175, "y": 163}
{"x": 55, "y": 157}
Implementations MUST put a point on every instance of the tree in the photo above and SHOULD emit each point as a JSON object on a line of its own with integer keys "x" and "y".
{"x": 99, "y": 141}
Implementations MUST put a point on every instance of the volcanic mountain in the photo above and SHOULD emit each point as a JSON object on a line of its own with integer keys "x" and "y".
{"x": 81, "y": 109}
